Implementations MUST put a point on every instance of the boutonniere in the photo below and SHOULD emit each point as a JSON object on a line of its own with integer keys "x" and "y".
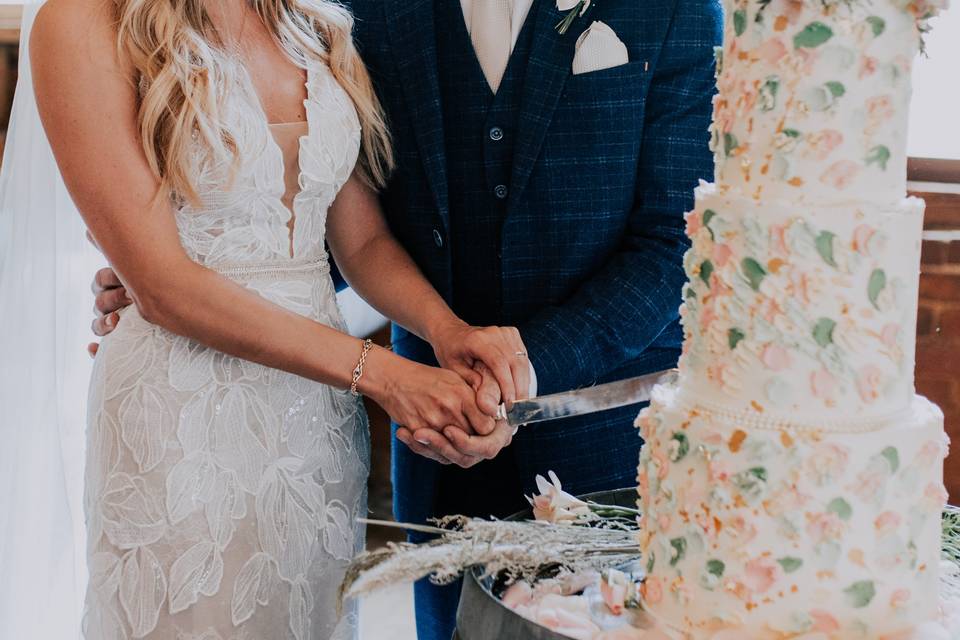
{"x": 575, "y": 9}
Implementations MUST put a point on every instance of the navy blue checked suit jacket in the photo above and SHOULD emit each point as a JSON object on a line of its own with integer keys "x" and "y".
{"x": 604, "y": 167}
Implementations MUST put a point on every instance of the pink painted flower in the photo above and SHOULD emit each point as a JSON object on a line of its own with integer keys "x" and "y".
{"x": 721, "y": 255}
{"x": 771, "y": 51}
{"x": 694, "y": 223}
{"x": 929, "y": 453}
{"x": 868, "y": 66}
{"x": 886, "y": 522}
{"x": 899, "y": 598}
{"x": 717, "y": 470}
{"x": 661, "y": 462}
{"x": 869, "y": 381}
{"x": 778, "y": 239}
{"x": 935, "y": 496}
{"x": 742, "y": 529}
{"x": 861, "y": 239}
{"x": 663, "y": 521}
{"x": 823, "y": 622}
{"x": 643, "y": 483}
{"x": 840, "y": 174}
{"x": 879, "y": 109}
{"x": 870, "y": 484}
{"x": 614, "y": 587}
{"x": 828, "y": 462}
{"x": 824, "y": 527}
{"x": 707, "y": 316}
{"x": 652, "y": 590}
{"x": 823, "y": 384}
{"x": 822, "y": 143}
{"x": 555, "y": 505}
{"x": 775, "y": 357}
{"x": 890, "y": 336}
{"x": 760, "y": 574}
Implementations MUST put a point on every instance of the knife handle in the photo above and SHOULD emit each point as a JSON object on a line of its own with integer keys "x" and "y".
{"x": 502, "y": 412}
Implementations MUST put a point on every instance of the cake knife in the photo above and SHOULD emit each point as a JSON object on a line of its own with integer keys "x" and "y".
{"x": 584, "y": 401}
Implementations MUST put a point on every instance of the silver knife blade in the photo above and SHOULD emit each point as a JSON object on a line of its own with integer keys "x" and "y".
{"x": 585, "y": 401}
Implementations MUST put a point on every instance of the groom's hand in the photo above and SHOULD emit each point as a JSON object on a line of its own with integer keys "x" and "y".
{"x": 111, "y": 297}
{"x": 462, "y": 348}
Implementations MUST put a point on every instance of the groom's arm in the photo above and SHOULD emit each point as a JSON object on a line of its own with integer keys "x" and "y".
{"x": 617, "y": 314}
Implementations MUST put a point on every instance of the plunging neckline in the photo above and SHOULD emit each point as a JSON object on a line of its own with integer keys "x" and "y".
{"x": 291, "y": 221}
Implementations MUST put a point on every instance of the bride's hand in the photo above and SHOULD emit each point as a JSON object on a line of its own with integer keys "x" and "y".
{"x": 421, "y": 397}
{"x": 461, "y": 347}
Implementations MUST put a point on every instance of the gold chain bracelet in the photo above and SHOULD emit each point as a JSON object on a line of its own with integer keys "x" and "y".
{"x": 358, "y": 370}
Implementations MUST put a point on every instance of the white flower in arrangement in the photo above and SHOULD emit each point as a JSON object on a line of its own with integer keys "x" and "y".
{"x": 555, "y": 505}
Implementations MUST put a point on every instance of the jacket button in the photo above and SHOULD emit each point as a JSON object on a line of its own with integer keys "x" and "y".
{"x": 437, "y": 238}
{"x": 496, "y": 134}
{"x": 501, "y": 191}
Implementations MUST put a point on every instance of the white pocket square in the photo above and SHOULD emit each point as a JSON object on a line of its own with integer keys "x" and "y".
{"x": 599, "y": 48}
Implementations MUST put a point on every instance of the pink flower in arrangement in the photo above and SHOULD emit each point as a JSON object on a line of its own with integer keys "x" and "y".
{"x": 899, "y": 598}
{"x": 614, "y": 588}
{"x": 771, "y": 51}
{"x": 721, "y": 255}
{"x": 840, "y": 174}
{"x": 824, "y": 142}
{"x": 887, "y": 522}
{"x": 823, "y": 384}
{"x": 824, "y": 527}
{"x": 890, "y": 336}
{"x": 775, "y": 357}
{"x": 519, "y": 594}
{"x": 823, "y": 622}
{"x": 869, "y": 381}
{"x": 760, "y": 574}
{"x": 553, "y": 504}
{"x": 868, "y": 66}
{"x": 652, "y": 590}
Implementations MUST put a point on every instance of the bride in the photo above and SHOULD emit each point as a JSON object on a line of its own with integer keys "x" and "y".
{"x": 213, "y": 147}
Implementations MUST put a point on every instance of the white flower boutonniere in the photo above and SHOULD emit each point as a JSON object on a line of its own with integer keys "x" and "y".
{"x": 575, "y": 9}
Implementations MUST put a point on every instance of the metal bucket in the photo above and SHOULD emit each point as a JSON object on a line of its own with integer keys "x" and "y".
{"x": 481, "y": 615}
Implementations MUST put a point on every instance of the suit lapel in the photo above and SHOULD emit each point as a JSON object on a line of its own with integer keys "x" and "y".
{"x": 413, "y": 36}
{"x": 551, "y": 59}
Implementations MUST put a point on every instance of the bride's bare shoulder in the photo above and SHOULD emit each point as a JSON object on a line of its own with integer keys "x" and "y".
{"x": 74, "y": 30}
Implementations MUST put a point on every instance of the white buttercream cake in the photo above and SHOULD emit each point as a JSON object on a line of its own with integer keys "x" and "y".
{"x": 792, "y": 480}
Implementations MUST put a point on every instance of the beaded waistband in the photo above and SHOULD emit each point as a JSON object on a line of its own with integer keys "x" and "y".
{"x": 273, "y": 269}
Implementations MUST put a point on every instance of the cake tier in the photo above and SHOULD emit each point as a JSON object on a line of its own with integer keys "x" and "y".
{"x": 778, "y": 533}
{"x": 813, "y": 99}
{"x": 801, "y": 316}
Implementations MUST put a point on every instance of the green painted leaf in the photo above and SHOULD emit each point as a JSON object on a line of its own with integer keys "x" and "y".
{"x": 879, "y": 155}
{"x": 691, "y": 294}
{"x": 790, "y": 564}
{"x": 739, "y": 21}
{"x": 893, "y": 457}
{"x": 824, "y": 244}
{"x": 651, "y": 560}
{"x": 734, "y": 336}
{"x": 730, "y": 143}
{"x": 706, "y": 270}
{"x": 680, "y": 550}
{"x": 768, "y": 93}
{"x": 859, "y": 594}
{"x": 791, "y": 133}
{"x": 716, "y": 568}
{"x": 709, "y": 215}
{"x": 759, "y": 473}
{"x": 813, "y": 35}
{"x": 878, "y": 282}
{"x": 840, "y": 507}
{"x": 683, "y": 447}
{"x": 836, "y": 88}
{"x": 754, "y": 272}
{"x": 877, "y": 25}
{"x": 823, "y": 331}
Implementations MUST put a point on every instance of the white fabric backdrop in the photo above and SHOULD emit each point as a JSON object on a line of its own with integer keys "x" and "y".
{"x": 45, "y": 306}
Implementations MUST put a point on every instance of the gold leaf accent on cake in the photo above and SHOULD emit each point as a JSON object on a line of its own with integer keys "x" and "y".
{"x": 736, "y": 440}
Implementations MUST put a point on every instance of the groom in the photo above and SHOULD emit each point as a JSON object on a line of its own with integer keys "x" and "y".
{"x": 537, "y": 197}
{"x": 551, "y": 201}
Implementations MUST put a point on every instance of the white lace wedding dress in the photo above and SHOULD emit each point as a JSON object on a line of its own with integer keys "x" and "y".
{"x": 221, "y": 495}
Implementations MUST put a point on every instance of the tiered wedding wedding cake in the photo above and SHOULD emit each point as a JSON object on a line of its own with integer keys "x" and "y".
{"x": 792, "y": 480}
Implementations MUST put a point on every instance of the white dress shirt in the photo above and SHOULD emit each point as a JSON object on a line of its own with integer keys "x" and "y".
{"x": 520, "y": 10}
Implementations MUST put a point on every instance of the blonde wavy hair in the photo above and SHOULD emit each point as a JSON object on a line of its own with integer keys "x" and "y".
{"x": 184, "y": 74}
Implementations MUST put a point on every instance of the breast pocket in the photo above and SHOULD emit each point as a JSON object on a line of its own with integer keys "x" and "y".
{"x": 626, "y": 83}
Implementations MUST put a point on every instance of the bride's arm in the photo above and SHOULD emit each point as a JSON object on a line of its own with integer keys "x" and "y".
{"x": 88, "y": 104}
